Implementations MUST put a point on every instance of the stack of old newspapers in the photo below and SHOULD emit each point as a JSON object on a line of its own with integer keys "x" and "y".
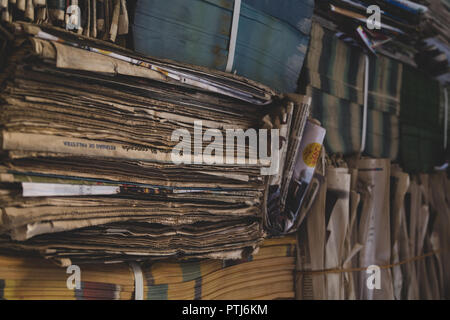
{"x": 102, "y": 19}
{"x": 267, "y": 274}
{"x": 111, "y": 156}
{"x": 32, "y": 278}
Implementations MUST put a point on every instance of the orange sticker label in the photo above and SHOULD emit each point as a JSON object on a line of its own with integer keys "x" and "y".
{"x": 311, "y": 154}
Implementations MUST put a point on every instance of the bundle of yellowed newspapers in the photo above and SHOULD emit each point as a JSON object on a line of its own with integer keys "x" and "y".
{"x": 108, "y": 156}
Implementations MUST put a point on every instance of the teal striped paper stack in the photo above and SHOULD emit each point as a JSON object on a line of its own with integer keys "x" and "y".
{"x": 421, "y": 120}
{"x": 272, "y": 37}
{"x": 334, "y": 76}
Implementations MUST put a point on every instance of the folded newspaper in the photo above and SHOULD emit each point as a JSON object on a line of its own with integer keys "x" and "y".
{"x": 370, "y": 217}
